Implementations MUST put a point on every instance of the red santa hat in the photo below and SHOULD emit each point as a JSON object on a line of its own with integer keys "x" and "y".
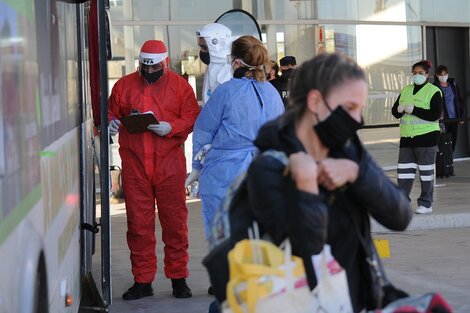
{"x": 152, "y": 52}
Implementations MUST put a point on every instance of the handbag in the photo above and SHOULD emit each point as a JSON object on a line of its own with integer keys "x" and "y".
{"x": 332, "y": 292}
{"x": 265, "y": 278}
{"x": 431, "y": 302}
{"x": 384, "y": 297}
{"x": 380, "y": 290}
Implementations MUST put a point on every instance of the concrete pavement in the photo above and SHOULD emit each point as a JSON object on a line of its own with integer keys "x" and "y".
{"x": 432, "y": 255}
{"x": 451, "y": 206}
{"x": 431, "y": 260}
{"x": 421, "y": 261}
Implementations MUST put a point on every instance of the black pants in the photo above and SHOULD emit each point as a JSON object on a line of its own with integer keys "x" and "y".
{"x": 453, "y": 129}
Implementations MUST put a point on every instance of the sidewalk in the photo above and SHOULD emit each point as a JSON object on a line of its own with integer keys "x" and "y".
{"x": 162, "y": 301}
{"x": 423, "y": 258}
{"x": 451, "y": 207}
{"x": 420, "y": 262}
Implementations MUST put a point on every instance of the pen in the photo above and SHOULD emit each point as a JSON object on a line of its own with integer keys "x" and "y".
{"x": 113, "y": 118}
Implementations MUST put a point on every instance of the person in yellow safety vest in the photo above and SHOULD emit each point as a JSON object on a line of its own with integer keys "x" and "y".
{"x": 419, "y": 107}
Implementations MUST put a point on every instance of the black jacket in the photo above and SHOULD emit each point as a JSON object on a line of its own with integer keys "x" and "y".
{"x": 281, "y": 83}
{"x": 459, "y": 108}
{"x": 310, "y": 220}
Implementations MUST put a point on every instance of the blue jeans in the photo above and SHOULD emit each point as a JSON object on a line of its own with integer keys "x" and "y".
{"x": 214, "y": 307}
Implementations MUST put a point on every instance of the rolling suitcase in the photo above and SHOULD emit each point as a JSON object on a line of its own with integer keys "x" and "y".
{"x": 444, "y": 157}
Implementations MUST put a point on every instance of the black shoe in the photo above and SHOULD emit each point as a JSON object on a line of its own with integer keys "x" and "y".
{"x": 180, "y": 288}
{"x": 138, "y": 291}
{"x": 210, "y": 291}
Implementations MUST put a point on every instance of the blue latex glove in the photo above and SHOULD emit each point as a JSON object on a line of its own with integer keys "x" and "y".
{"x": 192, "y": 177}
{"x": 113, "y": 127}
{"x": 201, "y": 155}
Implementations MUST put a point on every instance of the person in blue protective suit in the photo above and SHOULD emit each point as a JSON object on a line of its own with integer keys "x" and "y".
{"x": 214, "y": 41}
{"x": 229, "y": 122}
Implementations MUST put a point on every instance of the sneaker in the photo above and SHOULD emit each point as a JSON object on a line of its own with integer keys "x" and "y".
{"x": 180, "y": 288}
{"x": 137, "y": 291}
{"x": 423, "y": 210}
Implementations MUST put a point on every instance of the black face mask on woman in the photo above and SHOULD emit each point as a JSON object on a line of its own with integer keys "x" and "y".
{"x": 205, "y": 57}
{"x": 337, "y": 128}
{"x": 151, "y": 77}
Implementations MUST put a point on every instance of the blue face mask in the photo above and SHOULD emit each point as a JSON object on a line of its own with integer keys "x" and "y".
{"x": 418, "y": 79}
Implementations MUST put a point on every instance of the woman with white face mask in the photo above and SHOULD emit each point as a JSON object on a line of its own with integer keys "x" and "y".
{"x": 419, "y": 108}
{"x": 453, "y": 107}
{"x": 229, "y": 122}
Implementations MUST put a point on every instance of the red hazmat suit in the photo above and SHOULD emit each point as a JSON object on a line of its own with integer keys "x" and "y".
{"x": 154, "y": 169}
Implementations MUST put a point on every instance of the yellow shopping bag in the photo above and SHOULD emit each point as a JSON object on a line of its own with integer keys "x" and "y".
{"x": 263, "y": 275}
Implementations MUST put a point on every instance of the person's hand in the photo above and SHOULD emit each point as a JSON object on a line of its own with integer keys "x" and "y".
{"x": 401, "y": 108}
{"x": 161, "y": 129}
{"x": 193, "y": 176}
{"x": 409, "y": 108}
{"x": 334, "y": 173}
{"x": 303, "y": 170}
{"x": 113, "y": 127}
{"x": 201, "y": 155}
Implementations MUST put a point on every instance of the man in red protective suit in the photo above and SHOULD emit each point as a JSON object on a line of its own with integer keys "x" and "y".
{"x": 154, "y": 167}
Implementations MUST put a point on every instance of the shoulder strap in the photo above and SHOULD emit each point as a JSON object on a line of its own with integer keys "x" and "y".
{"x": 278, "y": 155}
{"x": 372, "y": 256}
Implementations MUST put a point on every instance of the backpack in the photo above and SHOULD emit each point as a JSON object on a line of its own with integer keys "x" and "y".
{"x": 231, "y": 220}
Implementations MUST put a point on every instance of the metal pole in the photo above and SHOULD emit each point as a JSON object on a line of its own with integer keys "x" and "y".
{"x": 104, "y": 156}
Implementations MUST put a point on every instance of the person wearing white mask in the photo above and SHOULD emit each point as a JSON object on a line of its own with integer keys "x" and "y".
{"x": 453, "y": 107}
{"x": 419, "y": 108}
{"x": 229, "y": 122}
{"x": 226, "y": 127}
{"x": 215, "y": 41}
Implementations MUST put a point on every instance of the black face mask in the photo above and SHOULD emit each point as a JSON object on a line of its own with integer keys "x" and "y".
{"x": 205, "y": 57}
{"x": 287, "y": 73}
{"x": 151, "y": 77}
{"x": 337, "y": 129}
{"x": 240, "y": 72}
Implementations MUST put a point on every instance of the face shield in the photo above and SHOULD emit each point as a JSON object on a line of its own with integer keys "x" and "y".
{"x": 218, "y": 39}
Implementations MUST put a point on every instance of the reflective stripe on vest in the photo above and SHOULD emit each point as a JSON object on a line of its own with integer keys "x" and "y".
{"x": 411, "y": 125}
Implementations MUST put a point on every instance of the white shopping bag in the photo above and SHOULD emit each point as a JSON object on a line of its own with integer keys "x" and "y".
{"x": 332, "y": 292}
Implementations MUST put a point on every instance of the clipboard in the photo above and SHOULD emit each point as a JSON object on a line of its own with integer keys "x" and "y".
{"x": 137, "y": 123}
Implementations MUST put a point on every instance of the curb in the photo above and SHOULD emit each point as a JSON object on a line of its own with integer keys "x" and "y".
{"x": 431, "y": 221}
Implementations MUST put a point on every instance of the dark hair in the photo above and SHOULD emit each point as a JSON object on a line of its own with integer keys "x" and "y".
{"x": 288, "y": 60}
{"x": 274, "y": 66}
{"x": 323, "y": 73}
{"x": 441, "y": 68}
{"x": 425, "y": 64}
{"x": 251, "y": 51}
